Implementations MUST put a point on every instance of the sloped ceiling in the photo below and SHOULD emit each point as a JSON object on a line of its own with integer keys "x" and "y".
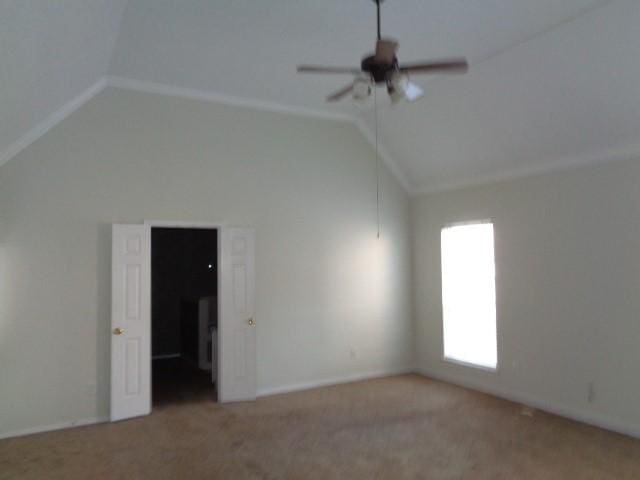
{"x": 551, "y": 83}
{"x": 250, "y": 49}
{"x": 50, "y": 52}
{"x": 569, "y": 97}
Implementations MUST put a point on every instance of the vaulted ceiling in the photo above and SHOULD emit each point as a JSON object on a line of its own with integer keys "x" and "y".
{"x": 50, "y": 52}
{"x": 551, "y": 83}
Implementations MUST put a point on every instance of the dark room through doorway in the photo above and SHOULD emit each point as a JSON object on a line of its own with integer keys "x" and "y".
{"x": 184, "y": 314}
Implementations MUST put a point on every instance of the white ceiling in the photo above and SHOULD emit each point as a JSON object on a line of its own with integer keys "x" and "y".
{"x": 551, "y": 82}
{"x": 569, "y": 97}
{"x": 50, "y": 51}
{"x": 250, "y": 49}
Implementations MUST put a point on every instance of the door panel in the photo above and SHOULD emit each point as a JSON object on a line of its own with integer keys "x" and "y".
{"x": 130, "y": 322}
{"x": 236, "y": 327}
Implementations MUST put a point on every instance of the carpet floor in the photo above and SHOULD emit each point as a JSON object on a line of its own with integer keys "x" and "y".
{"x": 392, "y": 428}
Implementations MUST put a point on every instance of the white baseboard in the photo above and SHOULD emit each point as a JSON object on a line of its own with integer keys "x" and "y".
{"x": 572, "y": 413}
{"x": 582, "y": 416}
{"x": 327, "y": 382}
{"x": 261, "y": 393}
{"x": 56, "y": 426}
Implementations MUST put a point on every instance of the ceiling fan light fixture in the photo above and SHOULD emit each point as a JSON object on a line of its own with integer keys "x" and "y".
{"x": 399, "y": 87}
{"x": 394, "y": 94}
{"x": 361, "y": 89}
{"x": 399, "y": 82}
{"x": 413, "y": 92}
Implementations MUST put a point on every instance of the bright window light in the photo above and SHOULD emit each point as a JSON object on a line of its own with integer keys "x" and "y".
{"x": 468, "y": 295}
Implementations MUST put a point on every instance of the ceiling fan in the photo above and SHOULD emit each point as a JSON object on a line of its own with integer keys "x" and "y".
{"x": 382, "y": 68}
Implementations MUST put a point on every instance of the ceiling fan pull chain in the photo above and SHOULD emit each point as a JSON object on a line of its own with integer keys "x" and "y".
{"x": 378, "y": 9}
{"x": 375, "y": 110}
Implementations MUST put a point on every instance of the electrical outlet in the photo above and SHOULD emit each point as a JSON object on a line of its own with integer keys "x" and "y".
{"x": 352, "y": 352}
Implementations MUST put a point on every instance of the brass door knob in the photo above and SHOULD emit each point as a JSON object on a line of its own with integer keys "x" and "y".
{"x": 251, "y": 322}
{"x": 118, "y": 331}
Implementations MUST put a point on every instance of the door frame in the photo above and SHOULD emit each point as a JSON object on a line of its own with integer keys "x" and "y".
{"x": 217, "y": 226}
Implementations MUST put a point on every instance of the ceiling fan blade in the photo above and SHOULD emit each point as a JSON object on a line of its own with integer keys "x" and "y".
{"x": 326, "y": 69}
{"x": 386, "y": 51}
{"x": 450, "y": 66}
{"x": 340, "y": 94}
{"x": 413, "y": 92}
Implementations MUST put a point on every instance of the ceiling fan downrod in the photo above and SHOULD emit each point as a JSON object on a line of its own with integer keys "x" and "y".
{"x": 378, "y": 9}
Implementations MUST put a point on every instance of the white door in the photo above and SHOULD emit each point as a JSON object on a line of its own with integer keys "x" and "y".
{"x": 236, "y": 325}
{"x": 130, "y": 322}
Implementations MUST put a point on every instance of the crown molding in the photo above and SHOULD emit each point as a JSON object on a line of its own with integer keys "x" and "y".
{"x": 566, "y": 163}
{"x": 212, "y": 97}
{"x": 383, "y": 153}
{"x": 150, "y": 87}
{"x": 51, "y": 121}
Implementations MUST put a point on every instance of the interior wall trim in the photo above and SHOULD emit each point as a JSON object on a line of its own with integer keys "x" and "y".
{"x": 384, "y": 154}
{"x": 168, "y": 90}
{"x": 55, "y": 426}
{"x": 330, "y": 381}
{"x": 580, "y": 415}
{"x": 51, "y": 121}
{"x": 563, "y": 164}
{"x": 212, "y": 97}
{"x": 327, "y": 382}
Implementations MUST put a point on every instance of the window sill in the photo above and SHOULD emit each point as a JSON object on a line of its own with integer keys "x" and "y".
{"x": 462, "y": 363}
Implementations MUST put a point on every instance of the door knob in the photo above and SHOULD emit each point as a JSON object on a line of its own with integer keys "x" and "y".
{"x": 118, "y": 331}
{"x": 251, "y": 322}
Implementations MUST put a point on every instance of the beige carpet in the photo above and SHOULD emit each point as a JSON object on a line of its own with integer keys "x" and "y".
{"x": 400, "y": 427}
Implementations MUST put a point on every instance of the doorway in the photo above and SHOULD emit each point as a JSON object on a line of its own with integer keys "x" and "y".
{"x": 184, "y": 315}
{"x": 131, "y": 339}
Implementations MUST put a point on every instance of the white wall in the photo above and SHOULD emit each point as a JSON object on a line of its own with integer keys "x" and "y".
{"x": 568, "y": 289}
{"x": 332, "y": 300}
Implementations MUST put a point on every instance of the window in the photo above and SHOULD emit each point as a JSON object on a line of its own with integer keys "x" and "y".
{"x": 468, "y": 295}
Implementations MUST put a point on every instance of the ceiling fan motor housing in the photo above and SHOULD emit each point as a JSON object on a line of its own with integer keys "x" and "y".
{"x": 378, "y": 72}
